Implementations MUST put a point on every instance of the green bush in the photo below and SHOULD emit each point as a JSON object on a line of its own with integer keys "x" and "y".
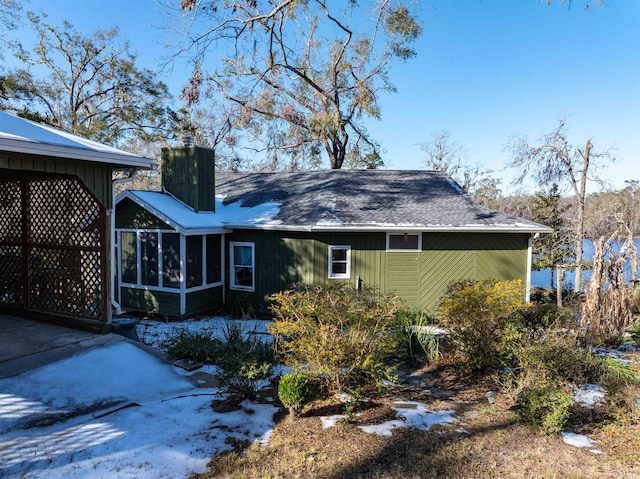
{"x": 336, "y": 333}
{"x": 634, "y": 331}
{"x": 197, "y": 346}
{"x": 243, "y": 358}
{"x": 537, "y": 315}
{"x": 294, "y": 391}
{"x": 557, "y": 357}
{"x": 417, "y": 341}
{"x": 544, "y": 407}
{"x": 477, "y": 314}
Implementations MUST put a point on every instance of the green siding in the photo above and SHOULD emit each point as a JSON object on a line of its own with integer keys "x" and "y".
{"x": 204, "y": 300}
{"x": 131, "y": 215}
{"x": 168, "y": 303}
{"x": 96, "y": 176}
{"x": 151, "y": 301}
{"x": 188, "y": 173}
{"x": 419, "y": 278}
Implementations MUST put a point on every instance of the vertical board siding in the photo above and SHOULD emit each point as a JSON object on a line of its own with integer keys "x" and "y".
{"x": 96, "y": 176}
{"x": 204, "y": 300}
{"x": 131, "y": 215}
{"x": 188, "y": 173}
{"x": 134, "y": 299}
{"x": 420, "y": 278}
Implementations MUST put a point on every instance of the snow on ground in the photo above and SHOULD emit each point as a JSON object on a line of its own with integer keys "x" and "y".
{"x": 116, "y": 411}
{"x": 589, "y": 395}
{"x": 578, "y": 440}
{"x": 409, "y": 413}
{"x": 156, "y": 333}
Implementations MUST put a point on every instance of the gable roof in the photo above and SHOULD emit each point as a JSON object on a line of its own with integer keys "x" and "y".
{"x": 366, "y": 200}
{"x": 20, "y": 135}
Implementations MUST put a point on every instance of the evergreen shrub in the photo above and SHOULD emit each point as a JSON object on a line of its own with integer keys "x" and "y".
{"x": 340, "y": 335}
{"x": 294, "y": 391}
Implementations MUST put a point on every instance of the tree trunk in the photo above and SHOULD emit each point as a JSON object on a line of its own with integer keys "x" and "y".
{"x": 577, "y": 287}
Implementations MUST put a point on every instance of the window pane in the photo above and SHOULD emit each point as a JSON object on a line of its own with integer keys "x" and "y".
{"x": 403, "y": 241}
{"x": 339, "y": 268}
{"x": 129, "y": 258}
{"x": 194, "y": 261}
{"x": 214, "y": 261}
{"x": 243, "y": 276}
{"x": 149, "y": 253}
{"x": 242, "y": 255}
{"x": 339, "y": 254}
{"x": 171, "y": 260}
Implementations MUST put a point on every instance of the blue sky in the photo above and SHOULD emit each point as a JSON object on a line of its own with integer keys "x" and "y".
{"x": 485, "y": 69}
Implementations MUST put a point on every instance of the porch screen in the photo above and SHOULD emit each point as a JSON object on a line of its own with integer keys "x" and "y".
{"x": 149, "y": 253}
{"x": 171, "y": 260}
{"x": 194, "y": 261}
{"x": 129, "y": 258}
{"x": 214, "y": 260}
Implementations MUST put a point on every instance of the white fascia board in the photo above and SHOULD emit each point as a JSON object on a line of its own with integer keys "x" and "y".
{"x": 396, "y": 228}
{"x": 44, "y": 149}
{"x": 268, "y": 227}
{"x": 170, "y": 221}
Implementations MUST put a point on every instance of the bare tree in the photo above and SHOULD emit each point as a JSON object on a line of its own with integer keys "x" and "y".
{"x": 302, "y": 74}
{"x": 445, "y": 154}
{"x": 554, "y": 160}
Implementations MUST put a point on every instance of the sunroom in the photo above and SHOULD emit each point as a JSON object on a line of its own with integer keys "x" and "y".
{"x": 170, "y": 259}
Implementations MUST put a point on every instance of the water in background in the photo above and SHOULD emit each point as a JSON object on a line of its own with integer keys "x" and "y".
{"x": 542, "y": 278}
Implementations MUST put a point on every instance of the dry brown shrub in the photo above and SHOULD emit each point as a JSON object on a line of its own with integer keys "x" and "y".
{"x": 608, "y": 308}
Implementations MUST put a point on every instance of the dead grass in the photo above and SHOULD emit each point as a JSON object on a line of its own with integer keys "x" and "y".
{"x": 498, "y": 444}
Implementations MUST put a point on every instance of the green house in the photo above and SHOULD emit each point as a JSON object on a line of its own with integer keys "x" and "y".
{"x": 209, "y": 239}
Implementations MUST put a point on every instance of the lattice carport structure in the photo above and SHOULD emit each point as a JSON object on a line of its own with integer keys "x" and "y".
{"x": 55, "y": 204}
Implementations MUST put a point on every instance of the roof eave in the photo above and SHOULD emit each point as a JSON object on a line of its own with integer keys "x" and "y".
{"x": 401, "y": 228}
{"x": 173, "y": 223}
{"x": 59, "y": 151}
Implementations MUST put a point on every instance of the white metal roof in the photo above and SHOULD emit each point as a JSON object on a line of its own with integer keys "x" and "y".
{"x": 185, "y": 220}
{"x": 24, "y": 136}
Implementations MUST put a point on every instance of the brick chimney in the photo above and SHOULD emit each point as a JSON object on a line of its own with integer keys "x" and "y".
{"x": 188, "y": 173}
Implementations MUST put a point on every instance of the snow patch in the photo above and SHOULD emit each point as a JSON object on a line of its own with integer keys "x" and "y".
{"x": 579, "y": 440}
{"x": 589, "y": 395}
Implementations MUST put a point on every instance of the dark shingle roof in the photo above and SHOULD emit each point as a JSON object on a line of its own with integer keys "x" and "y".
{"x": 367, "y": 199}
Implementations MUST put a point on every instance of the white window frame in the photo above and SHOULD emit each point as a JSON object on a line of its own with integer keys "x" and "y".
{"x": 232, "y": 266}
{"x": 412, "y": 250}
{"x": 347, "y": 274}
{"x": 183, "y": 268}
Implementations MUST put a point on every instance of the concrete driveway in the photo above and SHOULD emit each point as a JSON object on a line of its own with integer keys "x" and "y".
{"x": 26, "y": 344}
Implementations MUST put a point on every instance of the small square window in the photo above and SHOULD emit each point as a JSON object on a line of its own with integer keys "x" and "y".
{"x": 339, "y": 261}
{"x": 404, "y": 242}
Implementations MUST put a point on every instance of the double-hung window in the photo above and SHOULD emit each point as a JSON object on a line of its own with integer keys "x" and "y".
{"x": 242, "y": 266}
{"x": 339, "y": 262}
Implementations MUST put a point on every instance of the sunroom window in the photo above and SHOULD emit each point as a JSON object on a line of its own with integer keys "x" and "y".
{"x": 149, "y": 254}
{"x": 214, "y": 263}
{"x": 171, "y": 260}
{"x": 194, "y": 261}
{"x": 339, "y": 261}
{"x": 129, "y": 257}
{"x": 242, "y": 266}
{"x": 159, "y": 260}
